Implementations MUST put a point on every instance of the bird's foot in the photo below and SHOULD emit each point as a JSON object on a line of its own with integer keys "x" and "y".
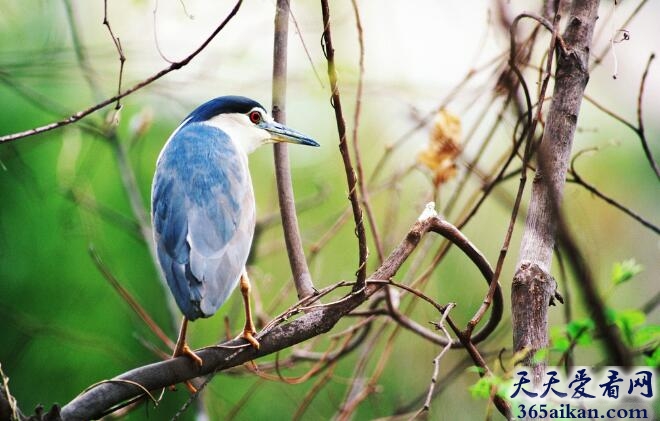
{"x": 248, "y": 335}
{"x": 191, "y": 387}
{"x": 185, "y": 350}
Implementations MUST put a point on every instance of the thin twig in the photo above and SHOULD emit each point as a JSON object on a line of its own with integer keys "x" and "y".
{"x": 577, "y": 179}
{"x": 313, "y": 392}
{"x": 120, "y": 51}
{"x": 356, "y": 148}
{"x": 86, "y": 67}
{"x": 108, "y": 133}
{"x": 128, "y": 298}
{"x": 360, "y": 388}
{"x": 84, "y": 113}
{"x": 351, "y": 177}
{"x": 640, "y": 120}
{"x": 316, "y": 247}
{"x": 614, "y": 346}
{"x": 304, "y": 45}
{"x": 436, "y": 361}
{"x": 526, "y": 157}
{"x": 426, "y": 118}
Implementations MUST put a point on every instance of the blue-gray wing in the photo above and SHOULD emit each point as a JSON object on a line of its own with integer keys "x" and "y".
{"x": 203, "y": 216}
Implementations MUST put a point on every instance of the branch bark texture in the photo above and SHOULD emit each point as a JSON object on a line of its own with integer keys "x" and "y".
{"x": 532, "y": 283}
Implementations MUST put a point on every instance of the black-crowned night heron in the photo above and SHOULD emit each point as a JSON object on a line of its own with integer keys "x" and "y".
{"x": 203, "y": 208}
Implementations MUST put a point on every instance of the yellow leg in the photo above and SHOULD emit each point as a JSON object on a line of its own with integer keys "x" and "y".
{"x": 182, "y": 347}
{"x": 249, "y": 331}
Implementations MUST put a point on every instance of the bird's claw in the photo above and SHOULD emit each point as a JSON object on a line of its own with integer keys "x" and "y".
{"x": 187, "y": 352}
{"x": 248, "y": 335}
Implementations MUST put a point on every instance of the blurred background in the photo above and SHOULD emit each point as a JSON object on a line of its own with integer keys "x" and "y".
{"x": 82, "y": 192}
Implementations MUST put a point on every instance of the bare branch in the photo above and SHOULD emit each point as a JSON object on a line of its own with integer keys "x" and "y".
{"x": 617, "y": 351}
{"x": 343, "y": 148}
{"x": 120, "y": 51}
{"x": 126, "y": 296}
{"x": 577, "y": 179}
{"x": 640, "y": 120}
{"x": 356, "y": 148}
{"x": 639, "y": 129}
{"x": 84, "y": 113}
{"x": 436, "y": 362}
{"x": 276, "y": 336}
{"x": 301, "y": 275}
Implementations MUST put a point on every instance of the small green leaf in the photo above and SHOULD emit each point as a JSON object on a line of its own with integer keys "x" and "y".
{"x": 624, "y": 271}
{"x": 475, "y": 369}
{"x": 561, "y": 344}
{"x": 628, "y": 321}
{"x": 481, "y": 389}
{"x": 559, "y": 339}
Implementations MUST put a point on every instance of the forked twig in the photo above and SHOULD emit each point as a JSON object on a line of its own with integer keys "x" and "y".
{"x": 436, "y": 361}
{"x": 120, "y": 51}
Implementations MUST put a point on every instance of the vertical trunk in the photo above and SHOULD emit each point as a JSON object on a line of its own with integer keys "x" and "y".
{"x": 533, "y": 286}
{"x": 294, "y": 247}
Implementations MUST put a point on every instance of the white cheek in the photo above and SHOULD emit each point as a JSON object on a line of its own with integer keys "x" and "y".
{"x": 242, "y": 132}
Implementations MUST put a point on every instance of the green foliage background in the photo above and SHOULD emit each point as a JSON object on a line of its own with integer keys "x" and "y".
{"x": 62, "y": 325}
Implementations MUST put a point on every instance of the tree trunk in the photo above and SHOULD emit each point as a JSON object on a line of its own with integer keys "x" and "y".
{"x": 533, "y": 286}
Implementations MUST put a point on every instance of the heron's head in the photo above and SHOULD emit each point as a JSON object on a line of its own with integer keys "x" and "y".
{"x": 247, "y": 122}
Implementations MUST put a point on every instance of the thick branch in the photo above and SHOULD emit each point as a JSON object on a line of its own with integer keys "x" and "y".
{"x": 318, "y": 320}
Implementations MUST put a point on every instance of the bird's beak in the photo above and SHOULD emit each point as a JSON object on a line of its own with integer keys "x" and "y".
{"x": 281, "y": 133}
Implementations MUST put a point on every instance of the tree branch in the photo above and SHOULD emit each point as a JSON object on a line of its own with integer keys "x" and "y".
{"x": 275, "y": 337}
{"x": 84, "y": 113}
{"x": 343, "y": 148}
{"x": 530, "y": 283}
{"x": 299, "y": 268}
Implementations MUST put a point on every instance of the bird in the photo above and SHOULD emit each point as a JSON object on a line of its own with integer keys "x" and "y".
{"x": 203, "y": 206}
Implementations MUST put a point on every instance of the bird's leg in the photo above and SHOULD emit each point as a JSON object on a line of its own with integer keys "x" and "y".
{"x": 249, "y": 330}
{"x": 182, "y": 347}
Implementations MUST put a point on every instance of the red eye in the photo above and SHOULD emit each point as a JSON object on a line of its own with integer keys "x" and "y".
{"x": 255, "y": 117}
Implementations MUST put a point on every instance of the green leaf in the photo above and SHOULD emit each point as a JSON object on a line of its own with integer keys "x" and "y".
{"x": 482, "y": 388}
{"x": 653, "y": 359}
{"x": 624, "y": 271}
{"x": 561, "y": 344}
{"x": 628, "y": 321}
{"x": 559, "y": 339}
{"x": 581, "y": 331}
{"x": 475, "y": 369}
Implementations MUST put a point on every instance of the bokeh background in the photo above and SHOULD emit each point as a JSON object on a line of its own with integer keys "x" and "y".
{"x": 63, "y": 326}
